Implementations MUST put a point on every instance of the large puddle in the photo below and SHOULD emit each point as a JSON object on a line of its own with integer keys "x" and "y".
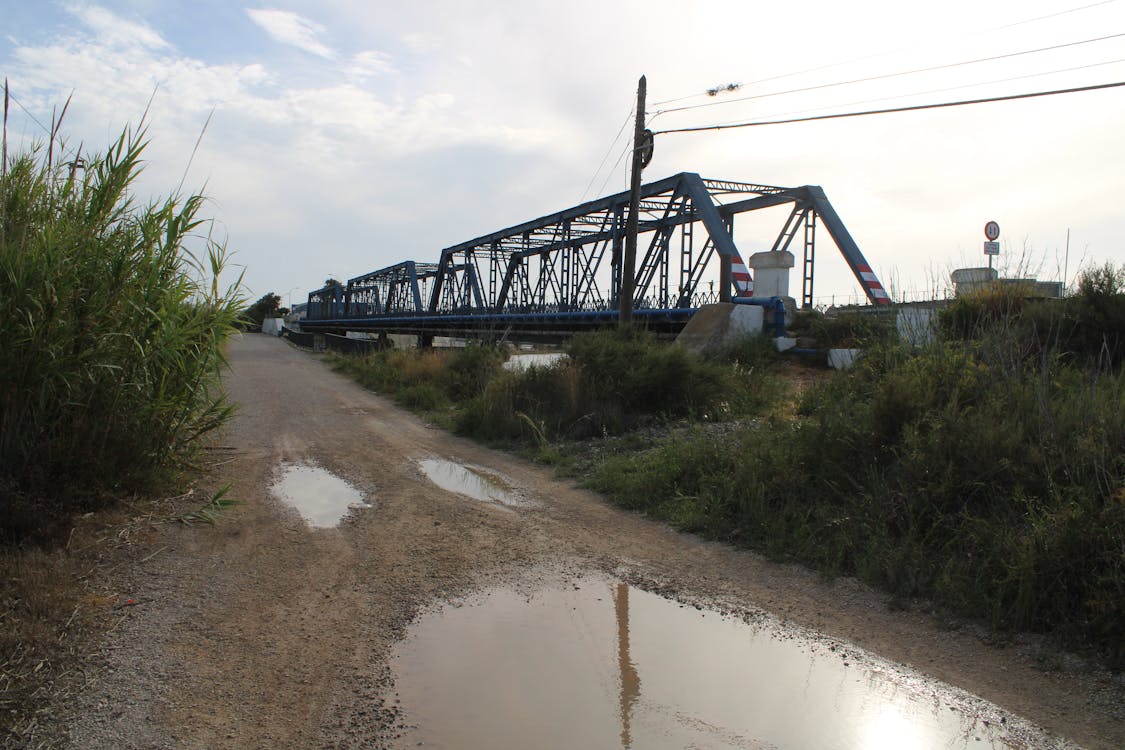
{"x": 471, "y": 481}
{"x": 606, "y": 665}
{"x": 321, "y": 497}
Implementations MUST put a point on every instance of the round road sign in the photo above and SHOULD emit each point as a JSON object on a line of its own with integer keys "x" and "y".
{"x": 991, "y": 231}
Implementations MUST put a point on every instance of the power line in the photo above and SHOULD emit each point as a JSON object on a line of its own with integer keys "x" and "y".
{"x": 914, "y": 108}
{"x": 886, "y": 52}
{"x": 1054, "y": 15}
{"x": 28, "y": 113}
{"x": 900, "y": 73}
{"x": 608, "y": 151}
{"x": 949, "y": 88}
{"x": 616, "y": 164}
{"x": 65, "y": 152}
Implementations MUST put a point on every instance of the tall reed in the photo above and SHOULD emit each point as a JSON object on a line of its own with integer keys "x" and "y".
{"x": 112, "y": 328}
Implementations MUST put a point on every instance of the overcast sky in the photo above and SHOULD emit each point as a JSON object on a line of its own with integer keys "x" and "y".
{"x": 347, "y": 135}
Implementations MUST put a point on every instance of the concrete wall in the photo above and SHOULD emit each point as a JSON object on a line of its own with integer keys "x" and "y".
{"x": 714, "y": 327}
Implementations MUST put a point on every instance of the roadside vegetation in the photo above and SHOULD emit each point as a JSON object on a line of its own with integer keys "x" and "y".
{"x": 113, "y": 343}
{"x": 113, "y": 336}
{"x": 611, "y": 382}
{"x": 984, "y": 472}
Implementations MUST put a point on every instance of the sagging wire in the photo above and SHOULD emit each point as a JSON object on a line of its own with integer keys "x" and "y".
{"x": 608, "y": 151}
{"x": 841, "y": 63}
{"x": 914, "y": 108}
{"x": 946, "y": 89}
{"x": 885, "y": 76}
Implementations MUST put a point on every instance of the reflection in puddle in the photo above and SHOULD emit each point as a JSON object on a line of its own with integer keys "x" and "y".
{"x": 520, "y": 362}
{"x": 607, "y": 665}
{"x": 476, "y": 483}
{"x": 321, "y": 497}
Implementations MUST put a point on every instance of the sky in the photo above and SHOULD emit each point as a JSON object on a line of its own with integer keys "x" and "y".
{"x": 337, "y": 137}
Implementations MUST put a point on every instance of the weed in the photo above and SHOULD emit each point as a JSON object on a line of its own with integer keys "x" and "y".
{"x": 210, "y": 512}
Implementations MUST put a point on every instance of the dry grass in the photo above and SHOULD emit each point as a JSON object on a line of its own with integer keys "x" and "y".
{"x": 56, "y": 604}
{"x": 798, "y": 378}
{"x": 48, "y": 619}
{"x": 422, "y": 366}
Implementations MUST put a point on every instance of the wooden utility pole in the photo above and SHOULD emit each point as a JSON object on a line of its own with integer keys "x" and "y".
{"x": 629, "y": 262}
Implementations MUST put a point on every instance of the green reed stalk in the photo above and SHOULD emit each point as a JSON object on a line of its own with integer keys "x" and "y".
{"x": 113, "y": 328}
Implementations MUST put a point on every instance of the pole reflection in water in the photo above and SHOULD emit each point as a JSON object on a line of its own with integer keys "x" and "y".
{"x": 558, "y": 667}
{"x": 630, "y": 680}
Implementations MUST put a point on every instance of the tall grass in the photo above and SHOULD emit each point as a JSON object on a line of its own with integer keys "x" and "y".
{"x": 113, "y": 332}
{"x": 425, "y": 379}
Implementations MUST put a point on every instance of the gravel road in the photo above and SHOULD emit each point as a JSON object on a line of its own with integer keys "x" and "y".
{"x": 261, "y": 632}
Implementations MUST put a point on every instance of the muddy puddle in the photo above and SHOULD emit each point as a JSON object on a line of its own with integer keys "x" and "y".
{"x": 599, "y": 664}
{"x": 471, "y": 481}
{"x": 321, "y": 497}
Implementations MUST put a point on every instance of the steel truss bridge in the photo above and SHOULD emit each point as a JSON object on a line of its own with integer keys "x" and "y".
{"x": 561, "y": 273}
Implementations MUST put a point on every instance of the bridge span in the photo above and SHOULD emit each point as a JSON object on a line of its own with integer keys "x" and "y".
{"x": 561, "y": 273}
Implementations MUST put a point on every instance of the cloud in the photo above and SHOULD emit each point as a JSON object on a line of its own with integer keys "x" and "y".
{"x": 290, "y": 28}
{"x": 116, "y": 31}
{"x": 368, "y": 64}
{"x": 421, "y": 42}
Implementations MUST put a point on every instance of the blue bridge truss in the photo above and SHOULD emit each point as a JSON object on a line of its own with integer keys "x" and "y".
{"x": 561, "y": 273}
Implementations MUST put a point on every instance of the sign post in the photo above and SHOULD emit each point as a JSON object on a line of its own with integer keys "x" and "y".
{"x": 992, "y": 247}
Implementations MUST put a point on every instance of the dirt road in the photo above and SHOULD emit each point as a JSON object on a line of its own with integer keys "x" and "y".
{"x": 263, "y": 632}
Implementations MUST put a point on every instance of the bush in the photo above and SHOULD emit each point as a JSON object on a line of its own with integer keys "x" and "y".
{"x": 611, "y": 382}
{"x": 629, "y": 369}
{"x": 1088, "y": 326}
{"x": 993, "y": 485}
{"x": 424, "y": 379}
{"x": 469, "y": 369}
{"x": 1099, "y": 316}
{"x": 113, "y": 331}
{"x": 844, "y": 329}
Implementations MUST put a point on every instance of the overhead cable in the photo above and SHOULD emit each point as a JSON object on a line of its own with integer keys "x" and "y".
{"x": 608, "y": 151}
{"x": 897, "y": 74}
{"x": 914, "y": 108}
{"x": 27, "y": 112}
{"x": 885, "y": 52}
{"x": 950, "y": 88}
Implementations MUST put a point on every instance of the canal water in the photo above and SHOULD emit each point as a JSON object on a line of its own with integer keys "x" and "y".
{"x": 601, "y": 664}
{"x": 523, "y": 361}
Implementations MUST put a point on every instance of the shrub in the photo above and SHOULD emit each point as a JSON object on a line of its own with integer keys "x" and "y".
{"x": 989, "y": 483}
{"x": 1098, "y": 309}
{"x": 469, "y": 369}
{"x": 629, "y": 369}
{"x": 844, "y": 329}
{"x": 1088, "y": 325}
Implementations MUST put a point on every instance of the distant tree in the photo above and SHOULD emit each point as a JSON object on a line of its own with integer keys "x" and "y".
{"x": 267, "y": 306}
{"x": 332, "y": 282}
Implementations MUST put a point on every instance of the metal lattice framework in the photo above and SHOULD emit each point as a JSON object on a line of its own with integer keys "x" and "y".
{"x": 401, "y": 289}
{"x": 566, "y": 267}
